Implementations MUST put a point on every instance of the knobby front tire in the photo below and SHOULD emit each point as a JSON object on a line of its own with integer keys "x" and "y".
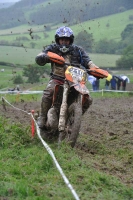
{"x": 74, "y": 122}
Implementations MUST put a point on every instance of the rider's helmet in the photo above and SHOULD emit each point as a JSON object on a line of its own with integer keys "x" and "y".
{"x": 64, "y": 32}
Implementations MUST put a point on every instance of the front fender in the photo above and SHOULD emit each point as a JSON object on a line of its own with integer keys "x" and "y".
{"x": 81, "y": 88}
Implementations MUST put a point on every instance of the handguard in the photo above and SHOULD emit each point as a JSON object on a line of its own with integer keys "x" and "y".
{"x": 97, "y": 72}
{"x": 55, "y": 58}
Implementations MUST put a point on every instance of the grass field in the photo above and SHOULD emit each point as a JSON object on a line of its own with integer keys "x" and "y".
{"x": 18, "y": 55}
{"x": 22, "y": 56}
{"x": 6, "y": 77}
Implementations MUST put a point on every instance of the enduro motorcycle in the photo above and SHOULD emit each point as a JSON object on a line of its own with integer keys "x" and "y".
{"x": 64, "y": 116}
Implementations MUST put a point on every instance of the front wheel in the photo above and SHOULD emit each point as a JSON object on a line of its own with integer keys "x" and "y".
{"x": 73, "y": 122}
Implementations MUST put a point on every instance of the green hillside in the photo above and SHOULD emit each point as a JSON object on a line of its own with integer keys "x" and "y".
{"x": 109, "y": 27}
{"x": 57, "y": 11}
{"x": 26, "y": 53}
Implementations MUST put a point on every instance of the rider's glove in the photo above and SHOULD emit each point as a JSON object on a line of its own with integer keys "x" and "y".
{"x": 44, "y": 56}
{"x": 91, "y": 64}
{"x": 42, "y": 59}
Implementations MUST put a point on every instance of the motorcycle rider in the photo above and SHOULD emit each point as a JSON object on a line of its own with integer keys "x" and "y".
{"x": 64, "y": 47}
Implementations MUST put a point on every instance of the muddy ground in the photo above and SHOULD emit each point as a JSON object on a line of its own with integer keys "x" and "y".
{"x": 107, "y": 129}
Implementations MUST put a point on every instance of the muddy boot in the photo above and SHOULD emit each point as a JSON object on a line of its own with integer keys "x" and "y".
{"x": 45, "y": 106}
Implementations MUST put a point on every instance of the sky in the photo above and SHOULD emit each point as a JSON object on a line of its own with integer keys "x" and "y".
{"x": 8, "y": 1}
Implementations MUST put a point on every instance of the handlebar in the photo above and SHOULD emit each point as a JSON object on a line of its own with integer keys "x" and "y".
{"x": 97, "y": 72}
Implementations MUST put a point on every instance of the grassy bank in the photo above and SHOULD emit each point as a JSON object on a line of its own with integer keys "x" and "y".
{"x": 28, "y": 172}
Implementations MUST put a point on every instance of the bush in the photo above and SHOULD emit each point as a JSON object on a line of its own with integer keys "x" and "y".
{"x": 32, "y": 72}
{"x": 85, "y": 39}
{"x": 121, "y": 9}
{"x": 22, "y": 38}
{"x": 131, "y": 17}
{"x": 127, "y": 31}
{"x": 126, "y": 61}
{"x": 18, "y": 79}
{"x": 107, "y": 46}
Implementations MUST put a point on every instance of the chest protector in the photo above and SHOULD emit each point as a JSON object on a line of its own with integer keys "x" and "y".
{"x": 59, "y": 70}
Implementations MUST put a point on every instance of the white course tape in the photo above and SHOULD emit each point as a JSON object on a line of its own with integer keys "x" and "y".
{"x": 103, "y": 90}
{"x": 56, "y": 163}
{"x": 40, "y": 92}
{"x": 15, "y": 107}
{"x": 50, "y": 152}
{"x": 21, "y": 92}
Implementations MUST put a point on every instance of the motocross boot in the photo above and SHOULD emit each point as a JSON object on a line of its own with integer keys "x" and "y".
{"x": 45, "y": 106}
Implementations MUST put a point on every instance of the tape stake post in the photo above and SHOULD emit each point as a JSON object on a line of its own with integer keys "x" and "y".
{"x": 32, "y": 124}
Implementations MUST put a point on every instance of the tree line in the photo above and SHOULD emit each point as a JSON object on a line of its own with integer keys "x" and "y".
{"x": 79, "y": 11}
{"x": 56, "y": 12}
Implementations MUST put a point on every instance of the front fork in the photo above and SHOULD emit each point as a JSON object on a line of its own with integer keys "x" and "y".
{"x": 63, "y": 110}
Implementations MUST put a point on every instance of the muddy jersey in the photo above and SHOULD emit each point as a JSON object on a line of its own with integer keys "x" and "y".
{"x": 75, "y": 55}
